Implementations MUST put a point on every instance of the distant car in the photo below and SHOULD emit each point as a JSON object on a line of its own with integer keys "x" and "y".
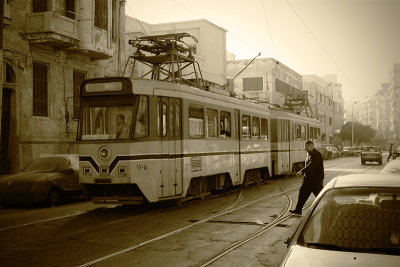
{"x": 355, "y": 151}
{"x": 326, "y": 152}
{"x": 371, "y": 154}
{"x": 392, "y": 167}
{"x": 45, "y": 180}
{"x": 345, "y": 150}
{"x": 354, "y": 221}
{"x": 335, "y": 152}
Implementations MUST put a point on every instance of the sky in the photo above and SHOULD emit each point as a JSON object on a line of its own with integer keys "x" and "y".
{"x": 358, "y": 40}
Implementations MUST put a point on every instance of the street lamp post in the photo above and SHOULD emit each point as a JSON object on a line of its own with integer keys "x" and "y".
{"x": 352, "y": 123}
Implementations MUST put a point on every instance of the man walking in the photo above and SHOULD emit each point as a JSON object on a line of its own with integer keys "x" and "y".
{"x": 313, "y": 176}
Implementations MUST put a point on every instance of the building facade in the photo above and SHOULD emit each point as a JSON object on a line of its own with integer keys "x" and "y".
{"x": 49, "y": 47}
{"x": 270, "y": 81}
{"x": 264, "y": 79}
{"x": 324, "y": 96}
{"x": 381, "y": 110}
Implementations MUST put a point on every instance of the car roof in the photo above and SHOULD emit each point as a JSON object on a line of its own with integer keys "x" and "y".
{"x": 367, "y": 180}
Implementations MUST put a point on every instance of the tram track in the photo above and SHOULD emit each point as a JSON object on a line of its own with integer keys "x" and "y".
{"x": 280, "y": 218}
{"x": 239, "y": 203}
{"x": 230, "y": 209}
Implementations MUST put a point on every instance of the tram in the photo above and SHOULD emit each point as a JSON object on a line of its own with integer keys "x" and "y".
{"x": 171, "y": 137}
{"x": 174, "y": 141}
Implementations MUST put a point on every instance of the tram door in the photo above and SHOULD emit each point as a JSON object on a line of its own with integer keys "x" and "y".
{"x": 284, "y": 146}
{"x": 171, "y": 146}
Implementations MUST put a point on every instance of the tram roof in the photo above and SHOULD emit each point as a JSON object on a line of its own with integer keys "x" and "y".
{"x": 283, "y": 114}
{"x": 165, "y": 88}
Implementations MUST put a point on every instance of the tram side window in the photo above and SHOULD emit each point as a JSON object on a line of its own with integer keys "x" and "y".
{"x": 196, "y": 115}
{"x": 317, "y": 134}
{"x": 171, "y": 120}
{"x": 298, "y": 132}
{"x": 294, "y": 131}
{"x": 284, "y": 133}
{"x": 177, "y": 120}
{"x": 162, "y": 119}
{"x": 142, "y": 121}
{"x": 311, "y": 133}
{"x": 264, "y": 129}
{"x": 246, "y": 126}
{"x": 212, "y": 123}
{"x": 303, "y": 133}
{"x": 255, "y": 132}
{"x": 225, "y": 124}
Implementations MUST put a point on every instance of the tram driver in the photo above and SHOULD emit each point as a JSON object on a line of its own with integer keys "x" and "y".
{"x": 121, "y": 130}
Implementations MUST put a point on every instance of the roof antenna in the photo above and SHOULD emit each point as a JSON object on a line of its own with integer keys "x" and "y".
{"x": 227, "y": 84}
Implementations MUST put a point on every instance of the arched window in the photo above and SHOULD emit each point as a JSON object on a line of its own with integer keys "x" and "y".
{"x": 9, "y": 74}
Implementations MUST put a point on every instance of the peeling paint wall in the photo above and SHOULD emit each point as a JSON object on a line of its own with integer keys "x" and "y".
{"x": 96, "y": 55}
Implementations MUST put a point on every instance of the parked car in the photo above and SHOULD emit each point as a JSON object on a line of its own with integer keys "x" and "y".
{"x": 326, "y": 152}
{"x": 354, "y": 221}
{"x": 355, "y": 151}
{"x": 335, "y": 152}
{"x": 345, "y": 150}
{"x": 392, "y": 167}
{"x": 371, "y": 153}
{"x": 329, "y": 152}
{"x": 49, "y": 180}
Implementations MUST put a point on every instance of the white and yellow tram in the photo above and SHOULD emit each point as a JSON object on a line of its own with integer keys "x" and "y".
{"x": 150, "y": 140}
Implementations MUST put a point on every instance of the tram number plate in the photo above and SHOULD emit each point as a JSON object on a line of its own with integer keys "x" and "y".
{"x": 141, "y": 167}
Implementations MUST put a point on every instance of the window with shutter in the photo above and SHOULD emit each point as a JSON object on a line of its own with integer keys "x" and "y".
{"x": 40, "y": 89}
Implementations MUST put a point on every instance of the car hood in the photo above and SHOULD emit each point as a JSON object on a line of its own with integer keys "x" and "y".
{"x": 302, "y": 256}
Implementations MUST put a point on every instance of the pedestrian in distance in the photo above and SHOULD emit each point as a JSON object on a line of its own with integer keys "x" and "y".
{"x": 313, "y": 176}
{"x": 390, "y": 152}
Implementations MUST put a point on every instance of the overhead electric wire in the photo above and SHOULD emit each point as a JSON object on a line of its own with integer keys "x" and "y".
{"x": 269, "y": 30}
{"x": 136, "y": 18}
{"x": 202, "y": 17}
{"x": 317, "y": 41}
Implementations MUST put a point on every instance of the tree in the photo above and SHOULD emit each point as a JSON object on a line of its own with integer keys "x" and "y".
{"x": 362, "y": 133}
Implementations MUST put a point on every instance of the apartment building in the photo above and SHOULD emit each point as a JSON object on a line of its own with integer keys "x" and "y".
{"x": 49, "y": 47}
{"x": 381, "y": 110}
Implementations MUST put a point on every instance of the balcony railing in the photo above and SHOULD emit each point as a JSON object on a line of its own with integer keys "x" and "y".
{"x": 52, "y": 28}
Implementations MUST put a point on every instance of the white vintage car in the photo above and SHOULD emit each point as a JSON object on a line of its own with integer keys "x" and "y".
{"x": 354, "y": 221}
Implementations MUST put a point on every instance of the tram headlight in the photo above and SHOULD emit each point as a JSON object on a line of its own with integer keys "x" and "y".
{"x": 104, "y": 153}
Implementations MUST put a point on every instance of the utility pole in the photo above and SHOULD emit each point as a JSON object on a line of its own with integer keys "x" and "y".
{"x": 352, "y": 122}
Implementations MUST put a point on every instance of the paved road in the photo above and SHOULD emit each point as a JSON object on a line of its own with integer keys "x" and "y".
{"x": 80, "y": 232}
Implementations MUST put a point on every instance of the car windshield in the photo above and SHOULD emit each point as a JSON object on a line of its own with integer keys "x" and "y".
{"x": 355, "y": 219}
{"x": 48, "y": 164}
{"x": 371, "y": 149}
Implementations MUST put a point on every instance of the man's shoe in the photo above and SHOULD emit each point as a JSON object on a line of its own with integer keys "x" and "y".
{"x": 297, "y": 212}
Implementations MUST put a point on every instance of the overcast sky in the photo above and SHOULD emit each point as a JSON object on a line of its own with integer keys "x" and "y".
{"x": 359, "y": 40}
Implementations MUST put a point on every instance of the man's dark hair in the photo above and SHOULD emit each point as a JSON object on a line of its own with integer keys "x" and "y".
{"x": 309, "y": 142}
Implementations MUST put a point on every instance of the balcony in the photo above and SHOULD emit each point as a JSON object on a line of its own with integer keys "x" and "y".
{"x": 52, "y": 29}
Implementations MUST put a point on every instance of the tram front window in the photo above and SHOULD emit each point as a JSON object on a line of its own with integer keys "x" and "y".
{"x": 106, "y": 123}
